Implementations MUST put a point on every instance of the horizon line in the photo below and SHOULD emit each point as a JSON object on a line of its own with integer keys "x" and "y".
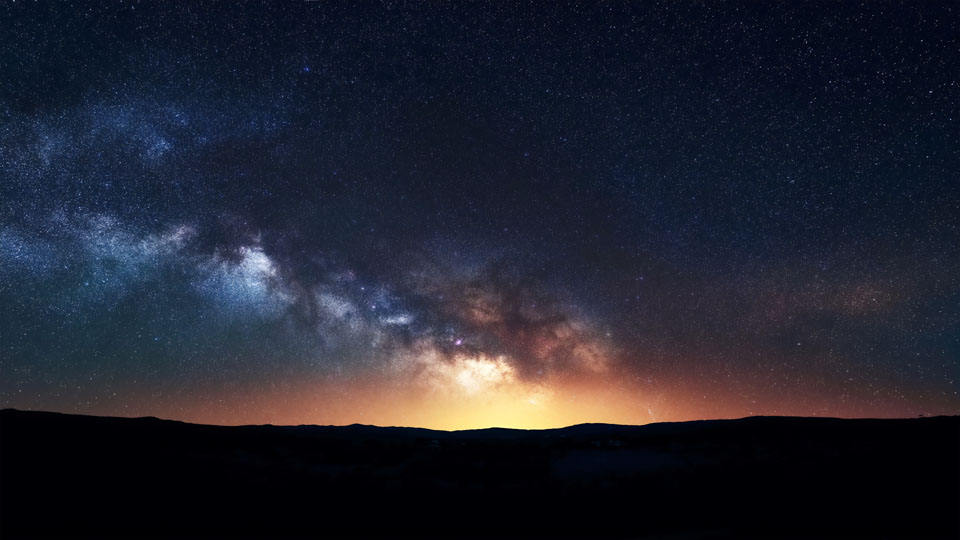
{"x": 358, "y": 424}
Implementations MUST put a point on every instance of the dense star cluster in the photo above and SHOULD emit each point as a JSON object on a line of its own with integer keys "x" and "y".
{"x": 460, "y": 215}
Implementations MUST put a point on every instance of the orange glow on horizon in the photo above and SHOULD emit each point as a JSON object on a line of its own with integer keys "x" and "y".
{"x": 474, "y": 400}
{"x": 474, "y": 390}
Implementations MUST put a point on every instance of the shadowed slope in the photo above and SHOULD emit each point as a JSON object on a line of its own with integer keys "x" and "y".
{"x": 67, "y": 475}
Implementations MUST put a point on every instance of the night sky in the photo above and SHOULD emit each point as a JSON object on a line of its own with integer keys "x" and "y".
{"x": 459, "y": 215}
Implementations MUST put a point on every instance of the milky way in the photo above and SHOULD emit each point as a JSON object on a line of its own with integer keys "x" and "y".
{"x": 467, "y": 215}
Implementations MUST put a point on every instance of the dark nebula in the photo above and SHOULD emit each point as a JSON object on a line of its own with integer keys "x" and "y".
{"x": 450, "y": 215}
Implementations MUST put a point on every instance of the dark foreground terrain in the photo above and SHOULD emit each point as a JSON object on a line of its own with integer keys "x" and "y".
{"x": 69, "y": 476}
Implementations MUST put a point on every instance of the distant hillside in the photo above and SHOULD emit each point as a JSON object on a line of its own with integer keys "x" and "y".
{"x": 83, "y": 476}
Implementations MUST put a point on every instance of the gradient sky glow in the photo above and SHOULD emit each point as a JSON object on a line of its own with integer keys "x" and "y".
{"x": 454, "y": 215}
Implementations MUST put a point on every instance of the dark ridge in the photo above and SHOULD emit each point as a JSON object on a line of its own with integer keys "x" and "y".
{"x": 761, "y": 477}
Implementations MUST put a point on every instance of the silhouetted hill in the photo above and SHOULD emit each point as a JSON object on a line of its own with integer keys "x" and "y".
{"x": 69, "y": 476}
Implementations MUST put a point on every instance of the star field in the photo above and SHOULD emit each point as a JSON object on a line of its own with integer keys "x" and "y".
{"x": 464, "y": 215}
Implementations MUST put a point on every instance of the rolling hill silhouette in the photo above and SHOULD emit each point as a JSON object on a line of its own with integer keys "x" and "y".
{"x": 84, "y": 476}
